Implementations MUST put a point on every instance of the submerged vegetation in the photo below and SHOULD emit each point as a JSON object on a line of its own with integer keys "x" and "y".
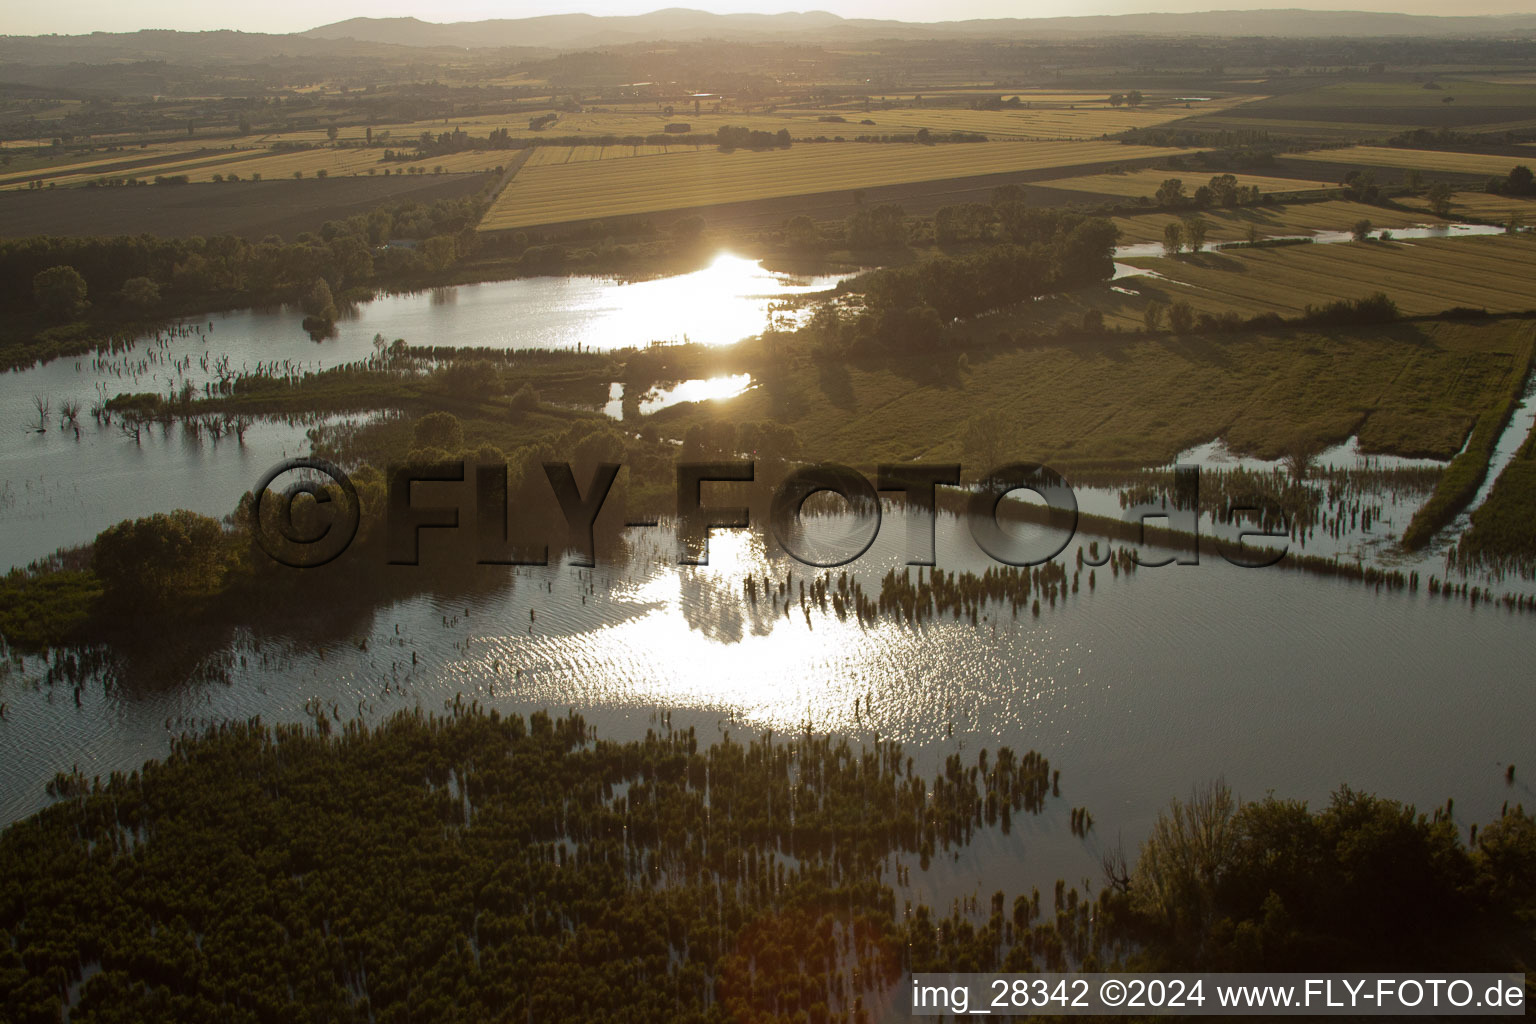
{"x": 489, "y": 867}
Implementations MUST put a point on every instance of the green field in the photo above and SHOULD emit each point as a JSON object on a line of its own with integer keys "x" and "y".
{"x": 1485, "y": 205}
{"x": 1145, "y": 182}
{"x": 1405, "y": 388}
{"x": 1233, "y": 225}
{"x": 1422, "y": 276}
{"x": 1503, "y": 529}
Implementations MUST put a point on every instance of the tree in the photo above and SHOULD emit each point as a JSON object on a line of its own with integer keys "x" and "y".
{"x": 1439, "y": 196}
{"x": 162, "y": 558}
{"x": 1362, "y": 185}
{"x": 1116, "y": 99}
{"x": 1520, "y": 182}
{"x": 1173, "y": 238}
{"x": 1181, "y": 317}
{"x": 59, "y": 291}
{"x": 525, "y": 399}
{"x": 1361, "y": 230}
{"x": 331, "y": 133}
{"x": 1194, "y": 233}
{"x": 439, "y": 252}
{"x": 1171, "y": 193}
{"x": 801, "y": 234}
{"x": 1183, "y": 859}
{"x": 1007, "y": 194}
{"x": 318, "y": 303}
{"x": 1134, "y": 97}
{"x": 983, "y": 441}
{"x": 877, "y": 226}
{"x": 1223, "y": 189}
{"x": 473, "y": 379}
{"x": 140, "y": 292}
{"x": 1153, "y": 316}
{"x": 439, "y": 430}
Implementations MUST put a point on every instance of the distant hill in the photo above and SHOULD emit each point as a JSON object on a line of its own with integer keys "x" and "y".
{"x": 361, "y": 37}
{"x": 573, "y": 31}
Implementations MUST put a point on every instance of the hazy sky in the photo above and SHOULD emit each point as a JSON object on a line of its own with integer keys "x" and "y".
{"x": 80, "y": 16}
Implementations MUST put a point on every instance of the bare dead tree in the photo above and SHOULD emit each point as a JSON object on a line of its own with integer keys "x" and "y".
{"x": 1117, "y": 872}
{"x": 43, "y": 405}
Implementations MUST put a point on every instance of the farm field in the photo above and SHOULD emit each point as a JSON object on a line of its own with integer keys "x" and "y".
{"x": 544, "y": 156}
{"x": 1423, "y": 276}
{"x": 246, "y": 163}
{"x": 250, "y": 209}
{"x": 26, "y": 167}
{"x": 1144, "y": 399}
{"x": 341, "y": 162}
{"x": 1484, "y": 205}
{"x": 1232, "y": 225}
{"x": 1238, "y": 120}
{"x": 1444, "y": 101}
{"x": 1145, "y": 182}
{"x": 604, "y": 188}
{"x": 1081, "y": 119}
{"x": 1413, "y": 159}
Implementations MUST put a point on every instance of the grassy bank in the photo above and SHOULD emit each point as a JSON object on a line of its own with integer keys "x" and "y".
{"x": 1466, "y": 473}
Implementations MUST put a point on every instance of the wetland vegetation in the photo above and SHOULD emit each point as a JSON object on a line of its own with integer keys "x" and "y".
{"x": 1300, "y": 264}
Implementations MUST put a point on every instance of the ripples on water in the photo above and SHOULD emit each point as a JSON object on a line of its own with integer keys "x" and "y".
{"x": 1137, "y": 688}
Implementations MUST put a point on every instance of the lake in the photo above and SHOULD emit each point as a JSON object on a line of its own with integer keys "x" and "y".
{"x": 1137, "y": 688}
{"x": 65, "y": 485}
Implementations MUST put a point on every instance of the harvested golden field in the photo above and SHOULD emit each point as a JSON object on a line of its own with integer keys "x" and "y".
{"x": 1413, "y": 159}
{"x": 543, "y": 156}
{"x": 1422, "y": 276}
{"x": 1052, "y": 115}
{"x": 128, "y": 162}
{"x": 1484, "y": 206}
{"x": 202, "y": 165}
{"x": 551, "y": 194}
{"x": 185, "y": 162}
{"x": 1233, "y": 225}
{"x": 405, "y": 131}
{"x": 1145, "y": 182}
{"x": 1084, "y": 119}
{"x": 339, "y": 162}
